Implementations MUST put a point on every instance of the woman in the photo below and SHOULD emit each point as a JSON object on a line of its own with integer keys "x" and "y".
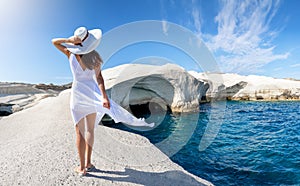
{"x": 89, "y": 101}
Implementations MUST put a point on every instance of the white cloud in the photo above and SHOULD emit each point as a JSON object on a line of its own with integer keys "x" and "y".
{"x": 277, "y": 69}
{"x": 295, "y": 65}
{"x": 243, "y": 42}
{"x": 196, "y": 19}
{"x": 165, "y": 27}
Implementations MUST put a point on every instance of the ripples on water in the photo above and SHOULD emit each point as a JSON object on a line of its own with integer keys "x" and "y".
{"x": 258, "y": 144}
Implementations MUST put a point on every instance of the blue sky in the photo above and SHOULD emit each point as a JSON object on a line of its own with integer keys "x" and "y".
{"x": 245, "y": 37}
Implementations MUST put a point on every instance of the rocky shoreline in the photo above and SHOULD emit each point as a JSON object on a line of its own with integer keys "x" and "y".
{"x": 43, "y": 141}
{"x": 249, "y": 88}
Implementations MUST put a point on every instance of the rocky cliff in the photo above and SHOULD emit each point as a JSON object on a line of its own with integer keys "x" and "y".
{"x": 18, "y": 96}
{"x": 250, "y": 88}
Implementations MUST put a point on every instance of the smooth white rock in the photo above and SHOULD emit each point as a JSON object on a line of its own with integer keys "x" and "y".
{"x": 256, "y": 87}
{"x": 170, "y": 84}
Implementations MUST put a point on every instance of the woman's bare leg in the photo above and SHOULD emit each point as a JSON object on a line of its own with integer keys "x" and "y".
{"x": 80, "y": 143}
{"x": 90, "y": 138}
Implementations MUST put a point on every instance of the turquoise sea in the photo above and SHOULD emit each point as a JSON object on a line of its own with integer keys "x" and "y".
{"x": 258, "y": 143}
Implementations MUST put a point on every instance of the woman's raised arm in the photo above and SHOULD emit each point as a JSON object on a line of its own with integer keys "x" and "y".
{"x": 57, "y": 42}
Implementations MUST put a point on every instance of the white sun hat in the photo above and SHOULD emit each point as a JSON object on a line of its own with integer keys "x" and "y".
{"x": 90, "y": 41}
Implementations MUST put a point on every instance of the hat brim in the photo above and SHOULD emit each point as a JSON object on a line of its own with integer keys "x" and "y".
{"x": 90, "y": 44}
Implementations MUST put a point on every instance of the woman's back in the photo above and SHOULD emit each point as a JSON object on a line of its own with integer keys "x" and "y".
{"x": 80, "y": 74}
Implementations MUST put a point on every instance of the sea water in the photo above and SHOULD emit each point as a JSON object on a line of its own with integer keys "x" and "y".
{"x": 257, "y": 143}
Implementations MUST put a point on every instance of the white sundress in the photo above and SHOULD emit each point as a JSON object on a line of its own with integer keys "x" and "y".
{"x": 86, "y": 99}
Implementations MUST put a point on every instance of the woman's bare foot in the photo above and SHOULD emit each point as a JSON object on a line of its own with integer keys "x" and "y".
{"x": 80, "y": 172}
{"x": 89, "y": 167}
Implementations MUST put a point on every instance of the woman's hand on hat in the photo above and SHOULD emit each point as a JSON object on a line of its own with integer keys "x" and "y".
{"x": 75, "y": 40}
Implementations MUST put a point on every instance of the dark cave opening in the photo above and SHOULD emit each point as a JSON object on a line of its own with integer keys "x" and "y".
{"x": 140, "y": 111}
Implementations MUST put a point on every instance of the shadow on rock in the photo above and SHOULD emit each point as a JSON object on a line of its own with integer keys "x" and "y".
{"x": 146, "y": 178}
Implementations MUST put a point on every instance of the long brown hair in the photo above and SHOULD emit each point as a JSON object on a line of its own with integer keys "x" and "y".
{"x": 91, "y": 60}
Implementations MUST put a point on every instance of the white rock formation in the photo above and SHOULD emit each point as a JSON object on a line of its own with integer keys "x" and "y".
{"x": 17, "y": 96}
{"x": 168, "y": 85}
{"x": 252, "y": 87}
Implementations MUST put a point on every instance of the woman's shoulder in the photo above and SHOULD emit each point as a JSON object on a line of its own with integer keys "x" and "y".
{"x": 71, "y": 55}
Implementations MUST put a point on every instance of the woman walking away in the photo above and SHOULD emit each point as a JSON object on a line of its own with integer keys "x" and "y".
{"x": 89, "y": 101}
